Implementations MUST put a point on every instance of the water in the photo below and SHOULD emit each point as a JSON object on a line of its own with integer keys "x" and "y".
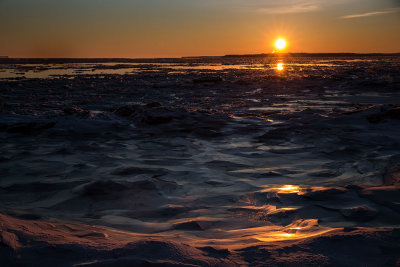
{"x": 46, "y": 71}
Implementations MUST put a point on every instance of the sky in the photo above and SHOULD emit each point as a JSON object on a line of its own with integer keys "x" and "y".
{"x": 175, "y": 28}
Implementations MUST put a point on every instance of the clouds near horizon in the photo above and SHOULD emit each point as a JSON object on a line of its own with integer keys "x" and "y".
{"x": 373, "y": 13}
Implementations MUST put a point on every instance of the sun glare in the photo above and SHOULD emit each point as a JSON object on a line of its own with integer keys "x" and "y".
{"x": 280, "y": 44}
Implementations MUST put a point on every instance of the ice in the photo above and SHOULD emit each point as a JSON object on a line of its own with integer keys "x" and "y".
{"x": 207, "y": 161}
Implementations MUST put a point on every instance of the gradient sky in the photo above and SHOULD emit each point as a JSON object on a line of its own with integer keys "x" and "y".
{"x": 174, "y": 28}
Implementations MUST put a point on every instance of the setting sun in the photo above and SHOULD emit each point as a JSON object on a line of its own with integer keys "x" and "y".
{"x": 280, "y": 44}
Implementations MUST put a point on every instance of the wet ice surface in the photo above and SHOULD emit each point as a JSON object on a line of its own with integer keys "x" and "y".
{"x": 229, "y": 153}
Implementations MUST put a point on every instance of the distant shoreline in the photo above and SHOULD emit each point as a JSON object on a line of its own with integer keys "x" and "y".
{"x": 315, "y": 54}
{"x": 10, "y": 60}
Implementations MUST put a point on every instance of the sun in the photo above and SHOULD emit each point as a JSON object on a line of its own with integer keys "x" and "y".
{"x": 280, "y": 44}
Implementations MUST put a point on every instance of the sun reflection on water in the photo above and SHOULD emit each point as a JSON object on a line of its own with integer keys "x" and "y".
{"x": 280, "y": 66}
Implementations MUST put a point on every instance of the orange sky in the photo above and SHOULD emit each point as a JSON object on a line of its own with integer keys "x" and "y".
{"x": 174, "y": 28}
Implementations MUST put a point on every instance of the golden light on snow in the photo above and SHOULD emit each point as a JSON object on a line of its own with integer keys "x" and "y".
{"x": 289, "y": 189}
{"x": 297, "y": 230}
{"x": 285, "y": 189}
{"x": 280, "y": 44}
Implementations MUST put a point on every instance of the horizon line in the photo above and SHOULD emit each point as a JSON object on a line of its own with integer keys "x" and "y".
{"x": 205, "y": 56}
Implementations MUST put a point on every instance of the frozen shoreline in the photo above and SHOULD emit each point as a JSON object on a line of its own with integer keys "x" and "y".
{"x": 235, "y": 158}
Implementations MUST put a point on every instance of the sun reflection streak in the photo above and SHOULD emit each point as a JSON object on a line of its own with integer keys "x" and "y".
{"x": 280, "y": 67}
